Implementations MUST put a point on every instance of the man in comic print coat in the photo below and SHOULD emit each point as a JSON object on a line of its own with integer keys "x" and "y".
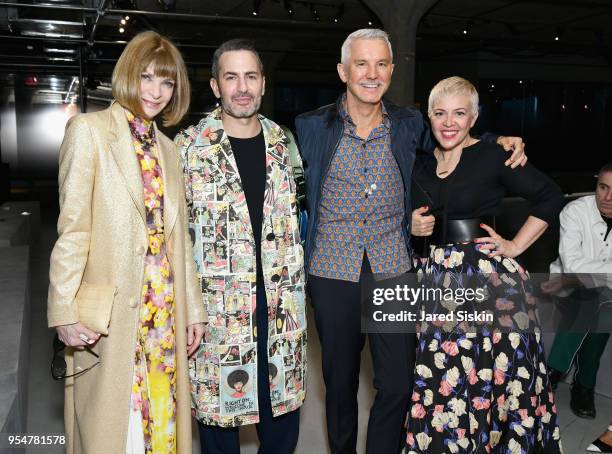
{"x": 242, "y": 209}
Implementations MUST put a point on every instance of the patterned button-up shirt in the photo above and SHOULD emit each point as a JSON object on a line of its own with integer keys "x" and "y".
{"x": 361, "y": 208}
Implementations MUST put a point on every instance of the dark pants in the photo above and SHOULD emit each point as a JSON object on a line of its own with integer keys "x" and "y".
{"x": 337, "y": 316}
{"x": 574, "y": 343}
{"x": 276, "y": 435}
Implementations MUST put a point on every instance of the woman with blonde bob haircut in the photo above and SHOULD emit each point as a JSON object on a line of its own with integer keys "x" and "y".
{"x": 454, "y": 86}
{"x": 480, "y": 380}
{"x": 123, "y": 293}
{"x": 145, "y": 48}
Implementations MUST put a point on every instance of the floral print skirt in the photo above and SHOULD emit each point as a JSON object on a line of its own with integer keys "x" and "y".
{"x": 480, "y": 389}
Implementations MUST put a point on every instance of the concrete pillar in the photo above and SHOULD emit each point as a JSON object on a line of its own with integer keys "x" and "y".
{"x": 400, "y": 19}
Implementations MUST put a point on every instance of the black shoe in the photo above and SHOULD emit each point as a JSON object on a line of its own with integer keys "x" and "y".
{"x": 554, "y": 376}
{"x": 599, "y": 446}
{"x": 582, "y": 401}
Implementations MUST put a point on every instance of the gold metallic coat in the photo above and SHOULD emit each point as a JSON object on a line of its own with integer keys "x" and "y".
{"x": 102, "y": 241}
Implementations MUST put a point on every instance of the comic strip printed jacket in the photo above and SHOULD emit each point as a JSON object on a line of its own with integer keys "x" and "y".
{"x": 223, "y": 372}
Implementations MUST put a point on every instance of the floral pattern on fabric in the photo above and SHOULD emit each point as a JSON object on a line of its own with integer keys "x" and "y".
{"x": 484, "y": 391}
{"x": 154, "y": 385}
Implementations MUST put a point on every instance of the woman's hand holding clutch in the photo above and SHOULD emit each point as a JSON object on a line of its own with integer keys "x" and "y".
{"x": 77, "y": 335}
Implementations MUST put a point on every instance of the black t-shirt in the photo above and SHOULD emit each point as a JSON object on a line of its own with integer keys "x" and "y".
{"x": 250, "y": 155}
{"x": 479, "y": 183}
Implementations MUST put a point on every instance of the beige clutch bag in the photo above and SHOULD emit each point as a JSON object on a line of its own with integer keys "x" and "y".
{"x": 95, "y": 304}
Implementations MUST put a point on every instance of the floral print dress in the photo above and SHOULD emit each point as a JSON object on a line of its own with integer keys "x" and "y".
{"x": 154, "y": 384}
{"x": 483, "y": 390}
{"x": 480, "y": 386}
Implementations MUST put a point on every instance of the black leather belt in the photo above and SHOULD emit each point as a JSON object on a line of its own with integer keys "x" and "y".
{"x": 460, "y": 230}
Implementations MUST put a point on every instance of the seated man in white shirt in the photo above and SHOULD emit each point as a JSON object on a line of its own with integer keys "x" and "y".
{"x": 585, "y": 248}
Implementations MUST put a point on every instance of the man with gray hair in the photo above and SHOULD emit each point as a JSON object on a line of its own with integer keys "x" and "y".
{"x": 358, "y": 155}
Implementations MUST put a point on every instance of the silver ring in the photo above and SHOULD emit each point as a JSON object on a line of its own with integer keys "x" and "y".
{"x": 497, "y": 244}
{"x": 83, "y": 337}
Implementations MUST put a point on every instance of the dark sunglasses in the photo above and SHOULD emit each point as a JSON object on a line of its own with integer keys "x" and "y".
{"x": 58, "y": 363}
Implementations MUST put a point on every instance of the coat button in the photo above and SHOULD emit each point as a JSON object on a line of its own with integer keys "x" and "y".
{"x": 270, "y": 237}
{"x": 141, "y": 250}
{"x": 133, "y": 302}
{"x": 275, "y": 278}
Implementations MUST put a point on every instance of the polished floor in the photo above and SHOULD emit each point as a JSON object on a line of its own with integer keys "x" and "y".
{"x": 45, "y": 396}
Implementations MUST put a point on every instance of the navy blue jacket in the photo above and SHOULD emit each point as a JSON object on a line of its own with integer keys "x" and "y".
{"x": 319, "y": 133}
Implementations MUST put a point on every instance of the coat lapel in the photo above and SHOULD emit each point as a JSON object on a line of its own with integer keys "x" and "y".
{"x": 220, "y": 156}
{"x": 235, "y": 188}
{"x": 122, "y": 149}
{"x": 171, "y": 178}
{"x": 223, "y": 159}
{"x": 276, "y": 155}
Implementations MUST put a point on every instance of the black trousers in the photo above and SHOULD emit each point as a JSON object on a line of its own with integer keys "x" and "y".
{"x": 276, "y": 435}
{"x": 337, "y": 316}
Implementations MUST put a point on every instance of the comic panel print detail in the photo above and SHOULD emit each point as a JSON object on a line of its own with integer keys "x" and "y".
{"x": 224, "y": 370}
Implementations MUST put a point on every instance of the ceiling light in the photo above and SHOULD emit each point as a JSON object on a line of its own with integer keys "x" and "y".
{"x": 288, "y": 7}
{"x": 53, "y": 50}
{"x": 256, "y": 4}
{"x": 315, "y": 13}
{"x": 468, "y": 27}
{"x": 121, "y": 29}
{"x": 122, "y": 21}
{"x": 339, "y": 13}
{"x": 47, "y": 28}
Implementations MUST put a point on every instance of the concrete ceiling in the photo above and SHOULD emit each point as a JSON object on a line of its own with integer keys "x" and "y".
{"x": 48, "y": 36}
